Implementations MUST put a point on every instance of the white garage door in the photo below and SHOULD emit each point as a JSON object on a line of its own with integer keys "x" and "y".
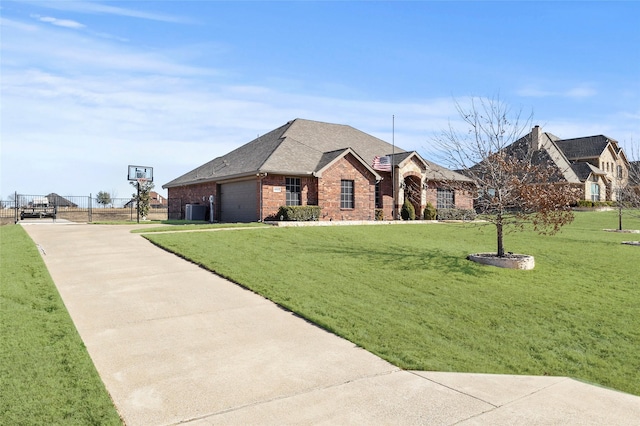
{"x": 239, "y": 201}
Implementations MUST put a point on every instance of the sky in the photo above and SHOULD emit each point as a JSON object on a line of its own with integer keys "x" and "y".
{"x": 91, "y": 87}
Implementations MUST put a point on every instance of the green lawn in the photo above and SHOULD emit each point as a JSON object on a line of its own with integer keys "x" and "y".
{"x": 46, "y": 375}
{"x": 201, "y": 226}
{"x": 407, "y": 293}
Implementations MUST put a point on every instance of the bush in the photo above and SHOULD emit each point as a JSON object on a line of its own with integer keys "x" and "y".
{"x": 408, "y": 212}
{"x": 299, "y": 213}
{"x": 430, "y": 212}
{"x": 379, "y": 214}
{"x": 596, "y": 204}
{"x": 456, "y": 214}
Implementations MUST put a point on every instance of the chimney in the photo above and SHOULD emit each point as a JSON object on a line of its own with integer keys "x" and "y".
{"x": 536, "y": 138}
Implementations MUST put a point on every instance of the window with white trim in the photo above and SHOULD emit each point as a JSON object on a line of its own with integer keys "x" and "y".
{"x": 293, "y": 191}
{"x": 446, "y": 199}
{"x": 595, "y": 192}
{"x": 346, "y": 194}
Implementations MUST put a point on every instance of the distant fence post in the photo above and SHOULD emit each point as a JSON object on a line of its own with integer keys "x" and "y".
{"x": 89, "y": 210}
{"x": 15, "y": 203}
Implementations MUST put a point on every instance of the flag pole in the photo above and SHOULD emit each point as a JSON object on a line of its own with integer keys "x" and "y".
{"x": 393, "y": 177}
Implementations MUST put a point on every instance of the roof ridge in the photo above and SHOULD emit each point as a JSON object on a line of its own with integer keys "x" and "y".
{"x": 281, "y": 138}
{"x": 608, "y": 139}
{"x": 309, "y": 146}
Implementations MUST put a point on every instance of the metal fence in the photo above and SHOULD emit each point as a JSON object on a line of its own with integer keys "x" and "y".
{"x": 75, "y": 208}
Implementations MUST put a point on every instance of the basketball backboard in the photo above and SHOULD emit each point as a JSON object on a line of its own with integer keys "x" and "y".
{"x": 140, "y": 172}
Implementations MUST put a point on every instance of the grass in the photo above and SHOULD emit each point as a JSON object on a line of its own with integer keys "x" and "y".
{"x": 46, "y": 374}
{"x": 407, "y": 293}
{"x": 177, "y": 226}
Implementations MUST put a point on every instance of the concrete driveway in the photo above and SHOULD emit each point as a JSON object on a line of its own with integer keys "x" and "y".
{"x": 175, "y": 344}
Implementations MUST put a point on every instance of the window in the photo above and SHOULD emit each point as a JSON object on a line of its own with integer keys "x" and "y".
{"x": 346, "y": 194}
{"x": 379, "y": 203}
{"x": 293, "y": 191}
{"x": 620, "y": 172}
{"x": 595, "y": 192}
{"x": 445, "y": 199}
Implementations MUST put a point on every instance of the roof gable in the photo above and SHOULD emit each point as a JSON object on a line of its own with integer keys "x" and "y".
{"x": 585, "y": 170}
{"x": 432, "y": 171}
{"x": 548, "y": 152}
{"x": 330, "y": 158}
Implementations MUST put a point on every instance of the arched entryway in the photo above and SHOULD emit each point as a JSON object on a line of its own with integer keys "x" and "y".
{"x": 413, "y": 192}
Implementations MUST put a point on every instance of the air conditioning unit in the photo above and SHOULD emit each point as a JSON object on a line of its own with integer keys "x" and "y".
{"x": 195, "y": 212}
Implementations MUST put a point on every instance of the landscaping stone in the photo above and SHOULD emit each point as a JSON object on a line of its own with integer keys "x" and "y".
{"x": 510, "y": 260}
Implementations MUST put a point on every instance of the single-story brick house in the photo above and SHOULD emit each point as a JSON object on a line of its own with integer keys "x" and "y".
{"x": 346, "y": 172}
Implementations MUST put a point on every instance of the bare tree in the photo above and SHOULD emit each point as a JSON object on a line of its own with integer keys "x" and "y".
{"x": 518, "y": 184}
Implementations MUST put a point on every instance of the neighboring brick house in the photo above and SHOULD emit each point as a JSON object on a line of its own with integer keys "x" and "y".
{"x": 312, "y": 163}
{"x": 157, "y": 200}
{"x": 595, "y": 164}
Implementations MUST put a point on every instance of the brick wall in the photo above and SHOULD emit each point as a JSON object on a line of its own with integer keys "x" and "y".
{"x": 324, "y": 192}
{"x": 190, "y": 194}
{"x": 274, "y": 193}
{"x": 386, "y": 189}
{"x": 463, "y": 197}
{"x": 329, "y": 187}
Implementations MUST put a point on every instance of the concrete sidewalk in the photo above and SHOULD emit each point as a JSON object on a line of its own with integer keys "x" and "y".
{"x": 176, "y": 344}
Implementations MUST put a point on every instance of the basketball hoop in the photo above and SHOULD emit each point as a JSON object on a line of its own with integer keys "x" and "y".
{"x": 141, "y": 181}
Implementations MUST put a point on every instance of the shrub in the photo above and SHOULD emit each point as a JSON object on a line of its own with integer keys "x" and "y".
{"x": 596, "y": 204}
{"x": 408, "y": 212}
{"x": 299, "y": 213}
{"x": 430, "y": 212}
{"x": 456, "y": 214}
{"x": 379, "y": 214}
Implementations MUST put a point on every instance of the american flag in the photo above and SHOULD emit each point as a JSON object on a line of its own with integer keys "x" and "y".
{"x": 382, "y": 163}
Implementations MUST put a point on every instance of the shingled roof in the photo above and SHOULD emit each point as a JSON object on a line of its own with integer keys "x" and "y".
{"x": 585, "y": 147}
{"x": 300, "y": 147}
{"x": 584, "y": 170}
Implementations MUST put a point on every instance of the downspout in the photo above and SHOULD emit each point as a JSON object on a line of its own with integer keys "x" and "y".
{"x": 261, "y": 176}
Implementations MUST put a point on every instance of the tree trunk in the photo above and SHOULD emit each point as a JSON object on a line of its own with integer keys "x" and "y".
{"x": 499, "y": 235}
{"x": 619, "y": 216}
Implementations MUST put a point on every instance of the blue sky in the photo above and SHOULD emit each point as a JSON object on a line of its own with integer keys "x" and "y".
{"x": 89, "y": 87}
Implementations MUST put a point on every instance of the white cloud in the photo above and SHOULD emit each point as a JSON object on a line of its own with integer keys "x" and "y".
{"x": 577, "y": 92}
{"x": 580, "y": 92}
{"x": 94, "y": 7}
{"x": 66, "y": 23}
{"x": 77, "y": 53}
{"x": 9, "y": 24}
{"x": 77, "y": 110}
